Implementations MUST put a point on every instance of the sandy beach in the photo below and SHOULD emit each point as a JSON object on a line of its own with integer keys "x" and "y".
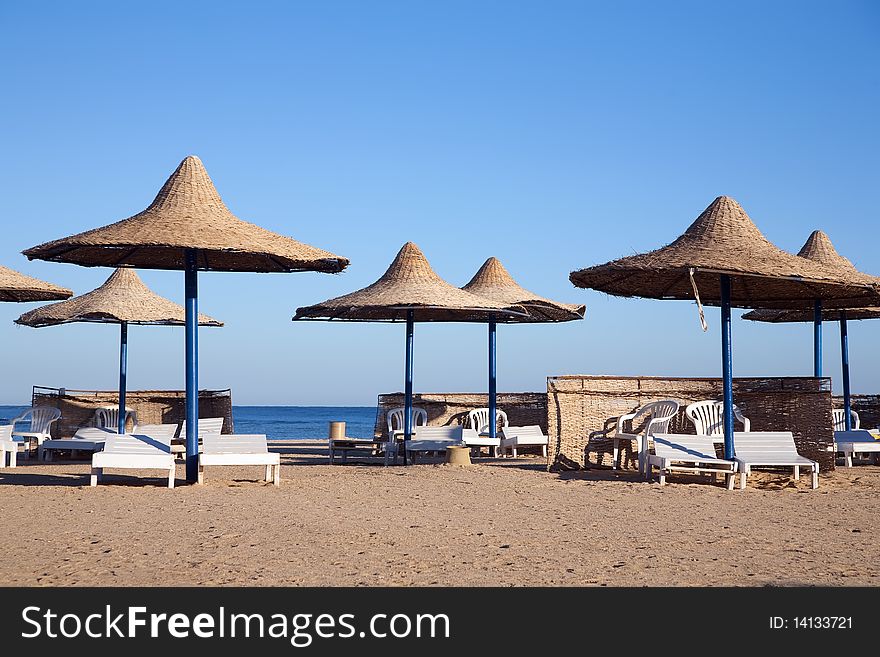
{"x": 498, "y": 522}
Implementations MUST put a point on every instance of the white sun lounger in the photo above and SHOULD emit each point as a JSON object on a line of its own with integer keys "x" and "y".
{"x": 137, "y": 451}
{"x": 86, "y": 439}
{"x": 433, "y": 439}
{"x": 8, "y": 446}
{"x": 770, "y": 448}
{"x": 516, "y": 437}
{"x": 859, "y": 441}
{"x": 688, "y": 453}
{"x": 239, "y": 449}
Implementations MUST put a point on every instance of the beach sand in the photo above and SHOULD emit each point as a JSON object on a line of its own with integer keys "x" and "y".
{"x": 497, "y": 522}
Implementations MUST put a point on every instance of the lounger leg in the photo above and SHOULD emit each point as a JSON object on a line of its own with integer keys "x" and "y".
{"x": 171, "y": 477}
{"x": 847, "y": 459}
{"x": 615, "y": 455}
{"x": 544, "y": 450}
{"x": 742, "y": 478}
{"x": 268, "y": 473}
{"x": 729, "y": 481}
{"x": 201, "y": 477}
{"x": 13, "y": 458}
{"x": 815, "y": 482}
{"x": 96, "y": 474}
{"x": 277, "y": 477}
{"x": 797, "y": 473}
{"x": 513, "y": 449}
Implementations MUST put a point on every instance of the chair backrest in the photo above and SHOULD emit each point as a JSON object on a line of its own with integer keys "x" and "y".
{"x": 684, "y": 446}
{"x": 532, "y": 430}
{"x": 708, "y": 417}
{"x": 660, "y": 414}
{"x": 438, "y": 433}
{"x": 478, "y": 419}
{"x": 839, "y": 417}
{"x": 136, "y": 444}
{"x": 163, "y": 432}
{"x": 235, "y": 444}
{"x": 6, "y": 431}
{"x": 207, "y": 425}
{"x": 394, "y": 418}
{"x": 107, "y": 417}
{"x": 41, "y": 418}
{"x": 764, "y": 444}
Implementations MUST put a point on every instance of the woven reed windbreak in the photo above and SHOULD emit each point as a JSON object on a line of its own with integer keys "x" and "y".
{"x": 409, "y": 284}
{"x": 16, "y": 287}
{"x": 494, "y": 283}
{"x": 724, "y": 240}
{"x": 445, "y": 409}
{"x": 152, "y": 406}
{"x": 122, "y": 298}
{"x": 188, "y": 214}
{"x": 583, "y": 411}
{"x": 819, "y": 249}
{"x": 868, "y": 408}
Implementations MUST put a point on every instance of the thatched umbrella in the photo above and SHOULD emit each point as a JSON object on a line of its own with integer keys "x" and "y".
{"x": 408, "y": 291}
{"x": 188, "y": 227}
{"x": 123, "y": 299}
{"x": 819, "y": 249}
{"x": 723, "y": 259}
{"x": 15, "y": 287}
{"x": 493, "y": 282}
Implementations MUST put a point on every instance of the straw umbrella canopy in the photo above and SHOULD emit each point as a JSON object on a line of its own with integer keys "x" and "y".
{"x": 819, "y": 248}
{"x": 493, "y": 282}
{"x": 411, "y": 291}
{"x": 16, "y": 288}
{"x": 188, "y": 227}
{"x": 122, "y": 299}
{"x": 723, "y": 259}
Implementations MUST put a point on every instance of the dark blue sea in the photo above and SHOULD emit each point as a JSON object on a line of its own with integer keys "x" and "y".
{"x": 282, "y": 422}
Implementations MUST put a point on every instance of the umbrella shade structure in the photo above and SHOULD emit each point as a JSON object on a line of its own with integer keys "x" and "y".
{"x": 188, "y": 227}
{"x": 494, "y": 283}
{"x": 820, "y": 249}
{"x": 18, "y": 288}
{"x": 411, "y": 291}
{"x": 723, "y": 259}
{"x": 123, "y": 299}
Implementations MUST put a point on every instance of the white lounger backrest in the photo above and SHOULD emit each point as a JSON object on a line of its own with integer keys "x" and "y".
{"x": 235, "y": 444}
{"x": 684, "y": 446}
{"x": 136, "y": 444}
{"x": 839, "y": 417}
{"x": 438, "y": 433}
{"x": 207, "y": 425}
{"x": 163, "y": 432}
{"x": 707, "y": 417}
{"x": 532, "y": 430}
{"x": 764, "y": 445}
{"x": 6, "y": 431}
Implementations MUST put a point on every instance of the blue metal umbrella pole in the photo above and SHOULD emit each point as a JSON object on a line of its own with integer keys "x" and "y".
{"x": 191, "y": 304}
{"x": 817, "y": 338}
{"x": 408, "y": 392}
{"x": 492, "y": 380}
{"x": 727, "y": 366}
{"x": 123, "y": 373}
{"x": 844, "y": 361}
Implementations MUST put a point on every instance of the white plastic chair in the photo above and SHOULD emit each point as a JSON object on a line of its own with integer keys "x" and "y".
{"x": 8, "y": 446}
{"x": 41, "y": 419}
{"x": 657, "y": 416}
{"x": 107, "y": 417}
{"x": 708, "y": 417}
{"x": 394, "y": 418}
{"x": 839, "y": 417}
{"x": 476, "y": 433}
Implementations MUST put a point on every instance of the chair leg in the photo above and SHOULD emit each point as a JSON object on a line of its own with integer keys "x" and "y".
{"x": 615, "y": 455}
{"x": 171, "y": 477}
{"x": 277, "y": 477}
{"x": 96, "y": 474}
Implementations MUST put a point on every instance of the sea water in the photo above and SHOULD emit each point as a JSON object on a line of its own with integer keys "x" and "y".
{"x": 281, "y": 422}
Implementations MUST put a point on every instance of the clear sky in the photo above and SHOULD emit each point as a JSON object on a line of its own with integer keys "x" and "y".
{"x": 553, "y": 135}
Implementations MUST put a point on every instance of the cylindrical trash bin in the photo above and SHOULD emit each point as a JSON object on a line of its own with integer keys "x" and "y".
{"x": 337, "y": 430}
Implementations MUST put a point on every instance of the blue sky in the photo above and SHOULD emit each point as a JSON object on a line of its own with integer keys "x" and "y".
{"x": 553, "y": 135}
